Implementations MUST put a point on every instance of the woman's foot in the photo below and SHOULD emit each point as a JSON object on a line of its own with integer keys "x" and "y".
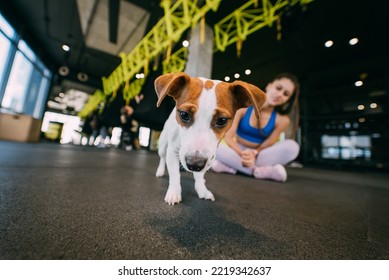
{"x": 276, "y": 172}
{"x": 219, "y": 167}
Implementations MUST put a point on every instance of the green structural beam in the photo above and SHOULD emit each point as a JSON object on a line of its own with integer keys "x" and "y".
{"x": 177, "y": 61}
{"x": 249, "y": 18}
{"x": 92, "y": 104}
{"x": 179, "y": 16}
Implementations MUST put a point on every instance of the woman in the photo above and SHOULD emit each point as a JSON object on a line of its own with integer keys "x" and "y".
{"x": 253, "y": 145}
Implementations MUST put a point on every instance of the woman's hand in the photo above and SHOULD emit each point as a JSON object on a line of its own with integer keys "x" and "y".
{"x": 248, "y": 157}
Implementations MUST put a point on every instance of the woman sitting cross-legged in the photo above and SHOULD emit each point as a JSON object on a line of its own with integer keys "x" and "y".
{"x": 252, "y": 145}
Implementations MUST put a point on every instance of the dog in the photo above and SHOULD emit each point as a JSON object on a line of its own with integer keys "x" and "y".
{"x": 203, "y": 114}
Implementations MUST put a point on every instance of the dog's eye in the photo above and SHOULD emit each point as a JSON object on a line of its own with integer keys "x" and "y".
{"x": 221, "y": 122}
{"x": 184, "y": 116}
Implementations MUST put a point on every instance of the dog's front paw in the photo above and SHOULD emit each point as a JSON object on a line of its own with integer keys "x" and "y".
{"x": 204, "y": 193}
{"x": 173, "y": 196}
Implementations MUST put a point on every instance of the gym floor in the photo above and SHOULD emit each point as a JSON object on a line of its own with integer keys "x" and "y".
{"x": 74, "y": 202}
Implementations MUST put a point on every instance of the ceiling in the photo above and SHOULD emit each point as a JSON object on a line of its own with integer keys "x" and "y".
{"x": 86, "y": 26}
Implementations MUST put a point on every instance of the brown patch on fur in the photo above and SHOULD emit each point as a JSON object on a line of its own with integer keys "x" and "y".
{"x": 224, "y": 108}
{"x": 191, "y": 92}
{"x": 221, "y": 113}
{"x": 224, "y": 98}
{"x": 233, "y": 96}
{"x": 208, "y": 84}
{"x": 189, "y": 99}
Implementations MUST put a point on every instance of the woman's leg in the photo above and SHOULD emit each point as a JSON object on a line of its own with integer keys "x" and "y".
{"x": 228, "y": 161}
{"x": 281, "y": 152}
{"x": 270, "y": 161}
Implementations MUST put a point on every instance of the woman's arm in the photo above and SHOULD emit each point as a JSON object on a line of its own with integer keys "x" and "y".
{"x": 231, "y": 133}
{"x": 281, "y": 125}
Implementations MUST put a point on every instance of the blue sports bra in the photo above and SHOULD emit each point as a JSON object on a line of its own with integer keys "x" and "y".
{"x": 254, "y": 134}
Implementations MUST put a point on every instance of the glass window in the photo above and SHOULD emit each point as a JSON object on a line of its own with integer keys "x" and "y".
{"x": 24, "y": 79}
{"x": 329, "y": 141}
{"x": 42, "y": 95}
{"x": 33, "y": 91}
{"x": 16, "y": 90}
{"x": 346, "y": 147}
{"x": 5, "y": 46}
{"x": 24, "y": 48}
{"x": 6, "y": 28}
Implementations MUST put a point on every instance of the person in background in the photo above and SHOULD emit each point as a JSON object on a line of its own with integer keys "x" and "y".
{"x": 100, "y": 131}
{"x": 126, "y": 125}
{"x": 252, "y": 146}
{"x": 130, "y": 127}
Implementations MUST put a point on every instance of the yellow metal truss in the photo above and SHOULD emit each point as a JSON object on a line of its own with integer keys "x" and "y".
{"x": 92, "y": 104}
{"x": 179, "y": 16}
{"x": 176, "y": 63}
{"x": 132, "y": 89}
{"x": 249, "y": 18}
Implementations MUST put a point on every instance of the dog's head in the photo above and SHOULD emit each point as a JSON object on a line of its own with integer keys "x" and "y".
{"x": 205, "y": 109}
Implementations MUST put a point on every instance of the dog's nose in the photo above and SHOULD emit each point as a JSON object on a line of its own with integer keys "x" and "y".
{"x": 195, "y": 163}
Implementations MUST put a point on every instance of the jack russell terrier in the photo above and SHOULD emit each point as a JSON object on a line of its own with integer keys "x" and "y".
{"x": 204, "y": 112}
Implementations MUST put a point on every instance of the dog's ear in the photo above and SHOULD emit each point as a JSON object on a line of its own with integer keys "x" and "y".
{"x": 246, "y": 94}
{"x": 170, "y": 84}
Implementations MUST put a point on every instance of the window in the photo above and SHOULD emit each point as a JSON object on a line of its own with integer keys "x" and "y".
{"x": 40, "y": 101}
{"x": 24, "y": 79}
{"x": 25, "y": 49}
{"x": 346, "y": 147}
{"x": 6, "y": 28}
{"x": 17, "y": 86}
{"x": 5, "y": 46}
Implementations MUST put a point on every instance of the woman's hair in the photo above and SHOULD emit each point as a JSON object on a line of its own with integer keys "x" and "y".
{"x": 291, "y": 107}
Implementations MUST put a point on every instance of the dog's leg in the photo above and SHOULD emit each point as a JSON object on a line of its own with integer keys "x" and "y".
{"x": 161, "y": 167}
{"x": 162, "y": 146}
{"x": 200, "y": 187}
{"x": 173, "y": 194}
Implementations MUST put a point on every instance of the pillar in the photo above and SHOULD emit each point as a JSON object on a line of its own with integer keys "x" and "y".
{"x": 200, "y": 54}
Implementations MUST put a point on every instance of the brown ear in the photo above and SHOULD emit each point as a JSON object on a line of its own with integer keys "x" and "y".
{"x": 170, "y": 84}
{"x": 246, "y": 94}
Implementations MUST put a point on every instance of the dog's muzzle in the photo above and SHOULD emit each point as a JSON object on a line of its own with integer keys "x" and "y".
{"x": 195, "y": 163}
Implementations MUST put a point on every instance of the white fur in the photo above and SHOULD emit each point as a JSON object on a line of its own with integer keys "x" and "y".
{"x": 192, "y": 141}
{"x": 177, "y": 142}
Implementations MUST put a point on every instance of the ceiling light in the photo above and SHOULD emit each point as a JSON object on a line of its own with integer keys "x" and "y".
{"x": 66, "y": 48}
{"x": 185, "y": 43}
{"x": 329, "y": 43}
{"x": 361, "y": 107}
{"x": 373, "y": 105}
{"x": 236, "y": 75}
{"x": 63, "y": 70}
{"x": 353, "y": 41}
{"x": 82, "y": 77}
{"x": 358, "y": 83}
{"x": 361, "y": 120}
{"x": 227, "y": 79}
{"x": 247, "y": 71}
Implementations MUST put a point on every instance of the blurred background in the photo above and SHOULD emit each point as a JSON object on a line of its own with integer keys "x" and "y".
{"x": 57, "y": 58}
